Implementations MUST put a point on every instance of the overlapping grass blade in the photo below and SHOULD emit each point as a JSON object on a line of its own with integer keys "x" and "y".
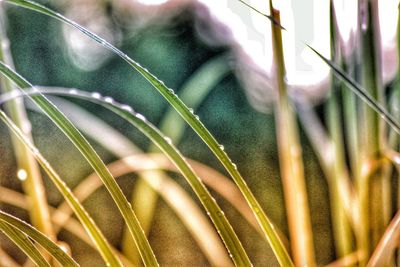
{"x": 93, "y": 231}
{"x": 24, "y": 243}
{"x": 126, "y": 149}
{"x": 17, "y": 199}
{"x": 225, "y": 230}
{"x": 387, "y": 245}
{"x": 88, "y": 152}
{"x": 361, "y": 92}
{"x": 174, "y": 195}
{"x": 63, "y": 258}
{"x": 290, "y": 158}
{"x": 192, "y": 93}
{"x": 270, "y": 234}
{"x": 33, "y": 184}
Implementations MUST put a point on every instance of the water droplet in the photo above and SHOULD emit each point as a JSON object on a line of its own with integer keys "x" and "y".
{"x": 171, "y": 91}
{"x": 73, "y": 91}
{"x": 169, "y": 141}
{"x": 234, "y": 166}
{"x": 222, "y": 147}
{"x": 64, "y": 247}
{"x": 127, "y": 108}
{"x": 22, "y": 174}
{"x": 140, "y": 117}
{"x": 197, "y": 117}
{"x": 191, "y": 110}
{"x": 208, "y": 213}
{"x": 109, "y": 99}
{"x": 96, "y": 95}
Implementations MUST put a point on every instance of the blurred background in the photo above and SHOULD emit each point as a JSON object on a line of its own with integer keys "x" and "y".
{"x": 174, "y": 40}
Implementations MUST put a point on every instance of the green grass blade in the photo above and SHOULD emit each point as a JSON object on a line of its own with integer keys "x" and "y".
{"x": 88, "y": 152}
{"x": 361, "y": 93}
{"x": 93, "y": 231}
{"x": 342, "y": 231}
{"x": 225, "y": 230}
{"x": 32, "y": 185}
{"x": 63, "y": 258}
{"x": 265, "y": 223}
{"x": 24, "y": 243}
{"x": 193, "y": 92}
{"x": 73, "y": 226}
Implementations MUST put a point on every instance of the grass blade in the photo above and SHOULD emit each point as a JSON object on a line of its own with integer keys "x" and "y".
{"x": 73, "y": 226}
{"x": 88, "y": 152}
{"x": 120, "y": 146}
{"x": 92, "y": 229}
{"x": 24, "y": 243}
{"x": 63, "y": 258}
{"x": 217, "y": 216}
{"x": 193, "y": 92}
{"x": 290, "y": 159}
{"x": 361, "y": 93}
{"x": 32, "y": 185}
{"x": 266, "y": 225}
{"x": 387, "y": 245}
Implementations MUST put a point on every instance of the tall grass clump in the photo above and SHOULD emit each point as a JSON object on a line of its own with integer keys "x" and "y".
{"x": 353, "y": 134}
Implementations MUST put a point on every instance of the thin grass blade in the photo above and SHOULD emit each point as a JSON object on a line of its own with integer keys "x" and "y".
{"x": 63, "y": 258}
{"x": 193, "y": 92}
{"x": 93, "y": 231}
{"x": 90, "y": 154}
{"x": 225, "y": 230}
{"x": 24, "y": 243}
{"x": 387, "y": 245}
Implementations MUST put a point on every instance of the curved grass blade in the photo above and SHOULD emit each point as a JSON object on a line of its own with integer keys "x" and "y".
{"x": 387, "y": 245}
{"x": 193, "y": 92}
{"x": 193, "y": 120}
{"x": 126, "y": 149}
{"x": 94, "y": 160}
{"x": 63, "y": 258}
{"x": 33, "y": 184}
{"x": 171, "y": 191}
{"x": 24, "y": 243}
{"x": 183, "y": 205}
{"x": 92, "y": 229}
{"x": 73, "y": 226}
{"x": 225, "y": 230}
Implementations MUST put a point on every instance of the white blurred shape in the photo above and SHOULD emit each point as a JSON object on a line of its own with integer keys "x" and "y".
{"x": 22, "y": 174}
{"x": 152, "y": 2}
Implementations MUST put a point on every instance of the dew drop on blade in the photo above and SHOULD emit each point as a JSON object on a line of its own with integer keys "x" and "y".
{"x": 96, "y": 95}
{"x": 169, "y": 141}
{"x": 109, "y": 99}
{"x": 141, "y": 117}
